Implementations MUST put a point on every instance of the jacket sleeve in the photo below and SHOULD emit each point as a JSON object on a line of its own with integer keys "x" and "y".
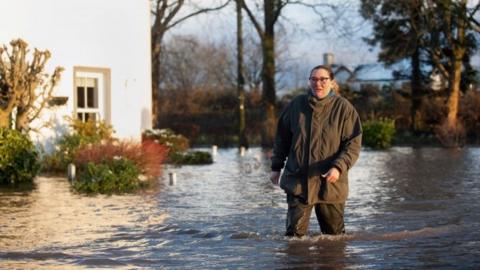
{"x": 351, "y": 142}
{"x": 283, "y": 140}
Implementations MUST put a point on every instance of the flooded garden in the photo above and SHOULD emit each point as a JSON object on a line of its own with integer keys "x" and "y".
{"x": 408, "y": 208}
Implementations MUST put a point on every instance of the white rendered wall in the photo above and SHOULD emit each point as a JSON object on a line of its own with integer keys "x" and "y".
{"x": 112, "y": 34}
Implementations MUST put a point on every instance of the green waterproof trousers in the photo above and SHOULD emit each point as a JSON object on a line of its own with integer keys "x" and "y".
{"x": 329, "y": 216}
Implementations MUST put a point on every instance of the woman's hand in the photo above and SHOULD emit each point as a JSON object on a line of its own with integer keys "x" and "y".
{"x": 275, "y": 177}
{"x": 332, "y": 175}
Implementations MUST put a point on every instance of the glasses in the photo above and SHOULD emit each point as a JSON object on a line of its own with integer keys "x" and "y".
{"x": 321, "y": 79}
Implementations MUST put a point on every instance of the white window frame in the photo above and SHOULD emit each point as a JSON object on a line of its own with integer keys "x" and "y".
{"x": 102, "y": 75}
{"x": 99, "y": 87}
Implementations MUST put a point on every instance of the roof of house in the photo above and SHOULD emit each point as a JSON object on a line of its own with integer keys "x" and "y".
{"x": 339, "y": 68}
{"x": 379, "y": 72}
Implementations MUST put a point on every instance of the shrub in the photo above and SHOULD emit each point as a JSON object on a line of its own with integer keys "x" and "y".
{"x": 110, "y": 176}
{"x": 83, "y": 133}
{"x": 177, "y": 145}
{"x": 191, "y": 158}
{"x": 379, "y": 133}
{"x": 174, "y": 142}
{"x": 102, "y": 160}
{"x": 18, "y": 159}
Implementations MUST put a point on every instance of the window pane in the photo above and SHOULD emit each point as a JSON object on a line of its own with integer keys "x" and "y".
{"x": 80, "y": 97}
{"x": 87, "y": 93}
{"x": 91, "y": 97}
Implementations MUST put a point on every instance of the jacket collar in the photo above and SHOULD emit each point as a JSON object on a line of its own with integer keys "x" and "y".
{"x": 316, "y": 103}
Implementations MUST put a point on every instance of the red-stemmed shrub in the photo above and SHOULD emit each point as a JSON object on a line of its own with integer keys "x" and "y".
{"x": 153, "y": 156}
{"x": 147, "y": 156}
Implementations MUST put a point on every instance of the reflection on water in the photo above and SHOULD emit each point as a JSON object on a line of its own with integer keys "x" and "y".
{"x": 408, "y": 208}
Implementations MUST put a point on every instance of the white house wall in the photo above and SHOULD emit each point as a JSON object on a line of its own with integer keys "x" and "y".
{"x": 113, "y": 34}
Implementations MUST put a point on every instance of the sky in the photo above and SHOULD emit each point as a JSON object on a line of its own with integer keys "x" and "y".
{"x": 304, "y": 36}
{"x": 299, "y": 30}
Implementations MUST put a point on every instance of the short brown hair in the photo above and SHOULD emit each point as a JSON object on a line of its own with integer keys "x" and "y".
{"x": 327, "y": 68}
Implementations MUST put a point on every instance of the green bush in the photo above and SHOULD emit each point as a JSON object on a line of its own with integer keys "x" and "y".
{"x": 18, "y": 159}
{"x": 110, "y": 176}
{"x": 191, "y": 158}
{"x": 378, "y": 133}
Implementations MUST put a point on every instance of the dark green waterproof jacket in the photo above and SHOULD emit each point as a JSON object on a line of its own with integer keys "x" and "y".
{"x": 316, "y": 135}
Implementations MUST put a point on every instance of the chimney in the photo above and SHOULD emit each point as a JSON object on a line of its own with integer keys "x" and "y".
{"x": 328, "y": 59}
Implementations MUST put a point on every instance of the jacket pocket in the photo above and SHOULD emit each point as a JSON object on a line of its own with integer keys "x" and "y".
{"x": 334, "y": 192}
{"x": 290, "y": 182}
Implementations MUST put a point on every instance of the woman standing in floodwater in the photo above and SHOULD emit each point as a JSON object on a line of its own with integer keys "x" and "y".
{"x": 320, "y": 133}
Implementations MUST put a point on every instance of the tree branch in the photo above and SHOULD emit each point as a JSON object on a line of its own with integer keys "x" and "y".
{"x": 20, "y": 81}
{"x": 314, "y": 7}
{"x": 436, "y": 56}
{"x": 475, "y": 25}
{"x": 169, "y": 17}
{"x": 205, "y": 10}
{"x": 472, "y": 14}
{"x": 254, "y": 21}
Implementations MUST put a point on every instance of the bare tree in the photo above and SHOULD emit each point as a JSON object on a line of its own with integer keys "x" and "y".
{"x": 165, "y": 14}
{"x": 25, "y": 88}
{"x": 189, "y": 63}
{"x": 272, "y": 10}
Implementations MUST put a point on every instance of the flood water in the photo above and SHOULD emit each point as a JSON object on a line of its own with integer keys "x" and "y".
{"x": 408, "y": 208}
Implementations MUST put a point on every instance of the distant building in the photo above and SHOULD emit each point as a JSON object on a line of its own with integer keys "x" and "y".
{"x": 374, "y": 75}
{"x": 104, "y": 47}
{"x": 342, "y": 74}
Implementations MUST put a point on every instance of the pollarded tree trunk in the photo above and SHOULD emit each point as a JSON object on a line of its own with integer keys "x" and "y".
{"x": 24, "y": 85}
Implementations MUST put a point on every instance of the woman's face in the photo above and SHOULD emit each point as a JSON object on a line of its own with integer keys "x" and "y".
{"x": 320, "y": 82}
